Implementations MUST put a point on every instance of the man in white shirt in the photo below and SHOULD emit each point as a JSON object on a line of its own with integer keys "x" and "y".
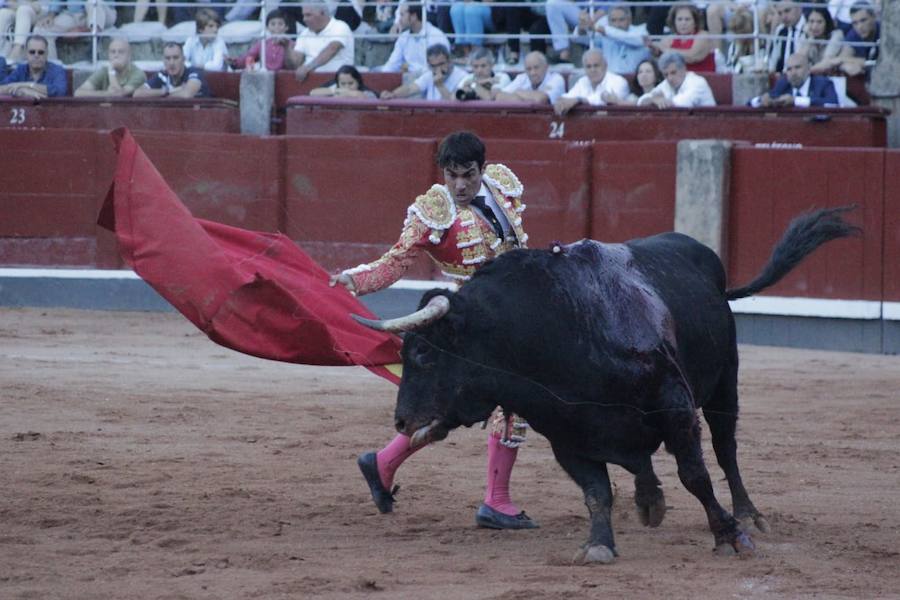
{"x": 439, "y": 82}
{"x": 595, "y": 87}
{"x": 417, "y": 36}
{"x": 325, "y": 44}
{"x": 680, "y": 88}
{"x": 788, "y": 36}
{"x": 537, "y": 84}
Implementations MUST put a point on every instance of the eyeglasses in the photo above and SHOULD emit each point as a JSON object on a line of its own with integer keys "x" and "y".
{"x": 38, "y": 52}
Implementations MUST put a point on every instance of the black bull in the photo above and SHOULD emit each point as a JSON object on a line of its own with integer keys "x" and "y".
{"x": 607, "y": 350}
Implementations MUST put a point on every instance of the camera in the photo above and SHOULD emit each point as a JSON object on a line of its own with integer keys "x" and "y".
{"x": 466, "y": 95}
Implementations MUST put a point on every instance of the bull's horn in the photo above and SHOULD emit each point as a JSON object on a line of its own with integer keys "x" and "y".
{"x": 436, "y": 308}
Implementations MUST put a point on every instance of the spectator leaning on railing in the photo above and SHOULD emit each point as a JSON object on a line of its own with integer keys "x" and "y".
{"x": 176, "y": 80}
{"x": 688, "y": 39}
{"x": 276, "y": 45}
{"x": 119, "y": 80}
{"x": 597, "y": 87}
{"x": 646, "y": 78}
{"x": 788, "y": 37}
{"x": 416, "y": 36}
{"x": 538, "y": 84}
{"x": 348, "y": 83}
{"x": 324, "y": 44}
{"x": 798, "y": 88}
{"x": 823, "y": 42}
{"x": 35, "y": 78}
{"x": 206, "y": 50}
{"x": 438, "y": 83}
{"x": 861, "y": 42}
{"x": 623, "y": 43}
{"x": 680, "y": 88}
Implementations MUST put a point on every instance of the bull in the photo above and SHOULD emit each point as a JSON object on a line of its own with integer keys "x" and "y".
{"x": 608, "y": 350}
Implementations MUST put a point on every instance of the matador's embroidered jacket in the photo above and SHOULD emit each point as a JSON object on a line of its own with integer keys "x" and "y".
{"x": 458, "y": 239}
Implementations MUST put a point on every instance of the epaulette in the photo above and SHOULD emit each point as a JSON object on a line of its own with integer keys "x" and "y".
{"x": 435, "y": 208}
{"x": 502, "y": 178}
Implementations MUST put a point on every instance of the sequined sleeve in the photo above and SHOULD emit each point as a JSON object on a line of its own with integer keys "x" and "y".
{"x": 381, "y": 273}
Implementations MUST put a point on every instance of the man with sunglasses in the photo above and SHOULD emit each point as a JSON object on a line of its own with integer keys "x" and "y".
{"x": 36, "y": 78}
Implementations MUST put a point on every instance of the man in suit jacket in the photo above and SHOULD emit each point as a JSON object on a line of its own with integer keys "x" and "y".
{"x": 798, "y": 88}
{"x": 788, "y": 36}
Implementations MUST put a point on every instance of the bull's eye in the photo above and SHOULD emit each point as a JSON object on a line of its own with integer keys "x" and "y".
{"x": 422, "y": 356}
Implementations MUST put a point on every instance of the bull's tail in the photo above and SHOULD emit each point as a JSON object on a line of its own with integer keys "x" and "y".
{"x": 804, "y": 234}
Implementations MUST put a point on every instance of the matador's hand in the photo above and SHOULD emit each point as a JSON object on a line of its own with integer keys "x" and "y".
{"x": 343, "y": 279}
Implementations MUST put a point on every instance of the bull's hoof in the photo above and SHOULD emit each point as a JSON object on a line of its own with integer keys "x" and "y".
{"x": 652, "y": 515}
{"x": 755, "y": 521}
{"x": 742, "y": 545}
{"x": 594, "y": 554}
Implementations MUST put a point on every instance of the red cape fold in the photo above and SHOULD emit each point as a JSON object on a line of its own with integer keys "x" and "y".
{"x": 253, "y": 292}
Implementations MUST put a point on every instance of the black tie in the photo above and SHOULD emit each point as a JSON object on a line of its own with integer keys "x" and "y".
{"x": 486, "y": 210}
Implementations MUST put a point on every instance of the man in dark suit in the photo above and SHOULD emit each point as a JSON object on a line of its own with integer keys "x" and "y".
{"x": 788, "y": 36}
{"x": 798, "y": 88}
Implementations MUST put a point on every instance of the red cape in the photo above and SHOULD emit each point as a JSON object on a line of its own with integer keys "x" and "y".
{"x": 253, "y": 292}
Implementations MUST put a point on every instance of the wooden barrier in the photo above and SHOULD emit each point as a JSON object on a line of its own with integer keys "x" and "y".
{"x": 156, "y": 114}
{"x": 769, "y": 187}
{"x": 891, "y": 224}
{"x": 860, "y": 127}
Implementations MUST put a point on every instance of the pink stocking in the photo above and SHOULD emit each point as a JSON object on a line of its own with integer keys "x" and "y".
{"x": 500, "y": 463}
{"x": 392, "y": 456}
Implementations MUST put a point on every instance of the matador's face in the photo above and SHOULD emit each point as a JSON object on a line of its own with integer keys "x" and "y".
{"x": 463, "y": 182}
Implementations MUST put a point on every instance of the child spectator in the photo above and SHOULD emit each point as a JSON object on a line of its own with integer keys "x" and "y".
{"x": 348, "y": 83}
{"x": 276, "y": 44}
{"x": 206, "y": 50}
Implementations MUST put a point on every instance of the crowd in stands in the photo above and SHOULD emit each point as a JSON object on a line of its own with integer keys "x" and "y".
{"x": 449, "y": 51}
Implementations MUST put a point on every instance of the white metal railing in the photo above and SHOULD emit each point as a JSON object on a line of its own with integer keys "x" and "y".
{"x": 593, "y": 38}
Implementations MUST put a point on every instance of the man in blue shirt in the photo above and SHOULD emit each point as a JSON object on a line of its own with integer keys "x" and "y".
{"x": 35, "y": 78}
{"x": 622, "y": 41}
{"x": 175, "y": 80}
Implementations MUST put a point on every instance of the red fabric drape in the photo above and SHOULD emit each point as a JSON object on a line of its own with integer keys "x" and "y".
{"x": 253, "y": 292}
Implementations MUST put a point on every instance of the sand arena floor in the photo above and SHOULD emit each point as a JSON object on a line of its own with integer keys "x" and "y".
{"x": 139, "y": 460}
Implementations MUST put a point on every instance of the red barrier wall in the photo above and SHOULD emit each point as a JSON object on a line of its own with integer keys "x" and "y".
{"x": 408, "y": 118}
{"x": 198, "y": 115}
{"x": 633, "y": 189}
{"x": 557, "y": 181}
{"x": 769, "y": 187}
{"x": 891, "y": 256}
{"x": 345, "y": 199}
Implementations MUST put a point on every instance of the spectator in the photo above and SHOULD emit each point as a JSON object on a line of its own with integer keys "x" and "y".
{"x": 720, "y": 13}
{"x": 35, "y": 78}
{"x": 788, "y": 36}
{"x": 680, "y": 88}
{"x": 861, "y": 43}
{"x": 470, "y": 20}
{"x": 688, "y": 39}
{"x": 176, "y": 80}
{"x": 622, "y": 41}
{"x": 276, "y": 44}
{"x": 478, "y": 85}
{"x": 537, "y": 84}
{"x": 840, "y": 12}
{"x": 142, "y": 6}
{"x": 597, "y": 87}
{"x": 646, "y": 78}
{"x": 823, "y": 42}
{"x": 565, "y": 14}
{"x": 348, "y": 83}
{"x": 325, "y": 43}
{"x": 415, "y": 38}
{"x": 740, "y": 56}
{"x": 206, "y": 50}
{"x": 438, "y": 83}
{"x": 119, "y": 80}
{"x": 66, "y": 16}
{"x": 21, "y": 16}
{"x": 512, "y": 20}
{"x": 384, "y": 16}
{"x": 3, "y": 68}
{"x": 798, "y": 88}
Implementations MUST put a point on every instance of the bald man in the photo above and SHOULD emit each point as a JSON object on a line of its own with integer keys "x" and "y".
{"x": 537, "y": 85}
{"x": 798, "y": 88}
{"x": 596, "y": 87}
{"x": 119, "y": 80}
